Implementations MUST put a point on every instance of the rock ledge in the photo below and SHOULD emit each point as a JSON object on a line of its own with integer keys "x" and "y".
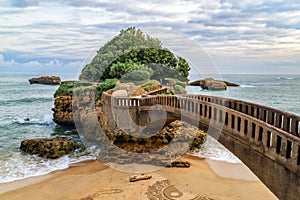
{"x": 50, "y": 80}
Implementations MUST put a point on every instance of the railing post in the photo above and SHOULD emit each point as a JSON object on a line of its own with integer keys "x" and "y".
{"x": 295, "y": 126}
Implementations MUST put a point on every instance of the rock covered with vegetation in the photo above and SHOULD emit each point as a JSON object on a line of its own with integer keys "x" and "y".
{"x": 50, "y": 80}
{"x": 130, "y": 57}
{"x": 63, "y": 103}
{"x": 49, "y": 147}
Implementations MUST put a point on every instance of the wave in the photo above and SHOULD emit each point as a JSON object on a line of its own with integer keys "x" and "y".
{"x": 23, "y": 166}
{"x": 25, "y": 100}
{"x": 285, "y": 78}
{"x": 19, "y": 166}
{"x": 215, "y": 151}
{"x": 47, "y": 120}
{"x": 247, "y": 86}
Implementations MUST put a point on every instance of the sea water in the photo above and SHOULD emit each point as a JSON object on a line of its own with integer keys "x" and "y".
{"x": 20, "y": 101}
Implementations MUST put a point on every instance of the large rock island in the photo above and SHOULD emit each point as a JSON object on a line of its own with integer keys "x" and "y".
{"x": 134, "y": 72}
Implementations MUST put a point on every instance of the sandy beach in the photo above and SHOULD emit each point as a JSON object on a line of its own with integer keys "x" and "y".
{"x": 205, "y": 179}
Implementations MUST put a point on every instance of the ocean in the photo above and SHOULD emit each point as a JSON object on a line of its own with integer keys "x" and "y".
{"x": 19, "y": 100}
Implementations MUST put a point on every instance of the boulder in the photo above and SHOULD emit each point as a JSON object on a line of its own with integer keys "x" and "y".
{"x": 212, "y": 84}
{"x": 49, "y": 147}
{"x": 128, "y": 89}
{"x": 51, "y": 80}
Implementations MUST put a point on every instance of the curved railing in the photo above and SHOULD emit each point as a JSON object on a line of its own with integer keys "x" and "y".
{"x": 271, "y": 132}
{"x": 282, "y": 120}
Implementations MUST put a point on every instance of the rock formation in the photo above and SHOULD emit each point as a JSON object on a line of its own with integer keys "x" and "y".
{"x": 49, "y": 147}
{"x": 162, "y": 138}
{"x": 212, "y": 84}
{"x": 62, "y": 111}
{"x": 51, "y": 80}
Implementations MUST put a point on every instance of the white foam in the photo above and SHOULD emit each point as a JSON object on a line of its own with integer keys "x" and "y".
{"x": 247, "y": 86}
{"x": 215, "y": 151}
{"x": 19, "y": 166}
{"x": 47, "y": 120}
{"x": 285, "y": 78}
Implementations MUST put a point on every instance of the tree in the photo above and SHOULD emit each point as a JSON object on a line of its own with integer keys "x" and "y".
{"x": 126, "y": 41}
{"x": 129, "y": 50}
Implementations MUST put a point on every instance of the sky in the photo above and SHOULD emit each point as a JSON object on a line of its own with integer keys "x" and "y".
{"x": 236, "y": 36}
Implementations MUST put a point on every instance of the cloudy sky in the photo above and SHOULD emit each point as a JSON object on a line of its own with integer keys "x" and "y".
{"x": 240, "y": 36}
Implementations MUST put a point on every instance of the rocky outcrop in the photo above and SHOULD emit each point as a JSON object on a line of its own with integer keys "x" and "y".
{"x": 51, "y": 80}
{"x": 175, "y": 139}
{"x": 62, "y": 111}
{"x": 63, "y": 104}
{"x": 148, "y": 145}
{"x": 49, "y": 147}
{"x": 173, "y": 130}
{"x": 176, "y": 133}
{"x": 212, "y": 84}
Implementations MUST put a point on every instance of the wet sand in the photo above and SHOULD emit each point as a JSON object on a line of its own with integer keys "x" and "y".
{"x": 205, "y": 179}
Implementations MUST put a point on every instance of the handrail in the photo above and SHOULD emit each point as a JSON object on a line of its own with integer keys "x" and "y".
{"x": 282, "y": 120}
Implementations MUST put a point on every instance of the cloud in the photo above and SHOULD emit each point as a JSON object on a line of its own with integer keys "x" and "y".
{"x": 265, "y": 31}
{"x": 56, "y": 67}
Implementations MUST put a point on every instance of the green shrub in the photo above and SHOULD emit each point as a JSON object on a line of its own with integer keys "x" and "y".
{"x": 106, "y": 85}
{"x": 179, "y": 90}
{"x": 136, "y": 76}
{"x": 176, "y": 81}
{"x": 65, "y": 88}
{"x": 151, "y": 85}
{"x": 170, "y": 92}
{"x": 147, "y": 89}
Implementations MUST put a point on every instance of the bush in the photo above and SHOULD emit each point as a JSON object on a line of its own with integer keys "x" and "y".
{"x": 136, "y": 76}
{"x": 151, "y": 85}
{"x": 179, "y": 90}
{"x": 170, "y": 92}
{"x": 65, "y": 88}
{"x": 106, "y": 85}
{"x": 177, "y": 82}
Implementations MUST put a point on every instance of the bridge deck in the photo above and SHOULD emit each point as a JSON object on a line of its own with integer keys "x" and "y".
{"x": 272, "y": 133}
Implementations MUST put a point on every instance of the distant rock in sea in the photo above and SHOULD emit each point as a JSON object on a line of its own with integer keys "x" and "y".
{"x": 49, "y": 147}
{"x": 212, "y": 84}
{"x": 51, "y": 80}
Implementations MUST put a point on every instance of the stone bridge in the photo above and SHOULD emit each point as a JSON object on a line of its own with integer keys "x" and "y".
{"x": 265, "y": 139}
